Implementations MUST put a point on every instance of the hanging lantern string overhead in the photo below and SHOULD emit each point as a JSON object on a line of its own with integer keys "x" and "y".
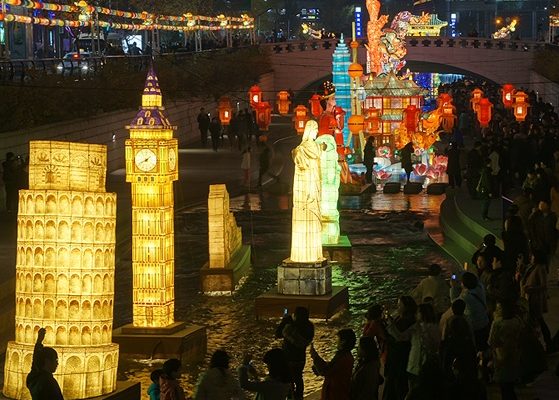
{"x": 149, "y": 20}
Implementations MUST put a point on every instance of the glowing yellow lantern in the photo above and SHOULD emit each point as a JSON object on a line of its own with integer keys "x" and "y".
{"x": 225, "y": 110}
{"x": 283, "y": 102}
{"x": 65, "y": 266}
{"x": 520, "y": 106}
{"x": 151, "y": 168}
{"x": 300, "y": 118}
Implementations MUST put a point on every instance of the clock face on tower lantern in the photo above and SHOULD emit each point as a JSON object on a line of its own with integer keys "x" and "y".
{"x": 145, "y": 160}
{"x": 172, "y": 159}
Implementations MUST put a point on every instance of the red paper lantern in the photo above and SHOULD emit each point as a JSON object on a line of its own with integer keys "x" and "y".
{"x": 477, "y": 94}
{"x": 283, "y": 102}
{"x": 263, "y": 115}
{"x": 255, "y": 95}
{"x": 508, "y": 95}
{"x": 484, "y": 112}
{"x": 300, "y": 118}
{"x": 339, "y": 114}
{"x": 356, "y": 123}
{"x": 316, "y": 107}
{"x": 411, "y": 118}
{"x": 225, "y": 110}
{"x": 520, "y": 106}
{"x": 372, "y": 122}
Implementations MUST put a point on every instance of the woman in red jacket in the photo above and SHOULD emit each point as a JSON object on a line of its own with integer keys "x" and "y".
{"x": 337, "y": 372}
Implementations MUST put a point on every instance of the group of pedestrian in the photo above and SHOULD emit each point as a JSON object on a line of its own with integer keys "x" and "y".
{"x": 239, "y": 131}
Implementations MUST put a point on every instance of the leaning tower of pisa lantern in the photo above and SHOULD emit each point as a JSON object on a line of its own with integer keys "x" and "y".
{"x": 65, "y": 270}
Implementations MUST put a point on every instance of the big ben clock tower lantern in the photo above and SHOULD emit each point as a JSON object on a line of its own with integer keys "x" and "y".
{"x": 151, "y": 168}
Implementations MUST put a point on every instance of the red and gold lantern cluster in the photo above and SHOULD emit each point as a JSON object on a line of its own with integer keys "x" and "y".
{"x": 283, "y": 102}
{"x": 225, "y": 110}
{"x": 484, "y": 112}
{"x": 300, "y": 118}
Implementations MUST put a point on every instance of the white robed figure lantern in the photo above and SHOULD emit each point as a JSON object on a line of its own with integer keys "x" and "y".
{"x": 330, "y": 183}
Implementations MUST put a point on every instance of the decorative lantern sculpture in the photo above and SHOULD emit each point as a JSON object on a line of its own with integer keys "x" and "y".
{"x": 283, "y": 102}
{"x": 355, "y": 70}
{"x": 356, "y": 124}
{"x": 520, "y": 106}
{"x": 327, "y": 124}
{"x": 508, "y": 95}
{"x": 411, "y": 118}
{"x": 263, "y": 115}
{"x": 444, "y": 99}
{"x": 255, "y": 95}
{"x": 484, "y": 112}
{"x": 300, "y": 118}
{"x": 225, "y": 110}
{"x": 316, "y": 107}
{"x": 339, "y": 114}
{"x": 477, "y": 94}
{"x": 372, "y": 122}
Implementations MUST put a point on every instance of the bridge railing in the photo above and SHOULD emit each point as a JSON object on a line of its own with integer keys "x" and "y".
{"x": 471, "y": 43}
{"x": 24, "y": 70}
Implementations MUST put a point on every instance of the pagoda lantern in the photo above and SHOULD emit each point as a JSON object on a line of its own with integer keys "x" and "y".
{"x": 508, "y": 95}
{"x": 520, "y": 106}
{"x": 316, "y": 107}
{"x": 484, "y": 112}
{"x": 477, "y": 94}
{"x": 225, "y": 110}
{"x": 411, "y": 118}
{"x": 448, "y": 117}
{"x": 372, "y": 122}
{"x": 283, "y": 102}
{"x": 255, "y": 95}
{"x": 263, "y": 115}
{"x": 356, "y": 124}
{"x": 300, "y": 118}
{"x": 339, "y": 114}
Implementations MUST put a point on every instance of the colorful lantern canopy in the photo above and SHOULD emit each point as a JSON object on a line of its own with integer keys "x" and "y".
{"x": 316, "y": 107}
{"x": 283, "y": 102}
{"x": 255, "y": 95}
{"x": 263, "y": 115}
{"x": 411, "y": 118}
{"x": 448, "y": 117}
{"x": 477, "y": 94}
{"x": 300, "y": 118}
{"x": 339, "y": 114}
{"x": 484, "y": 112}
{"x": 356, "y": 124}
{"x": 225, "y": 110}
{"x": 520, "y": 106}
{"x": 372, "y": 122}
{"x": 508, "y": 95}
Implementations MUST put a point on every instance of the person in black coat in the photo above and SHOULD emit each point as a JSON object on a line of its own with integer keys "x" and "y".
{"x": 297, "y": 333}
{"x": 215, "y": 132}
{"x": 39, "y": 381}
{"x": 203, "y": 124}
{"x": 369, "y": 158}
{"x": 453, "y": 166}
{"x": 405, "y": 155}
{"x": 474, "y": 167}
